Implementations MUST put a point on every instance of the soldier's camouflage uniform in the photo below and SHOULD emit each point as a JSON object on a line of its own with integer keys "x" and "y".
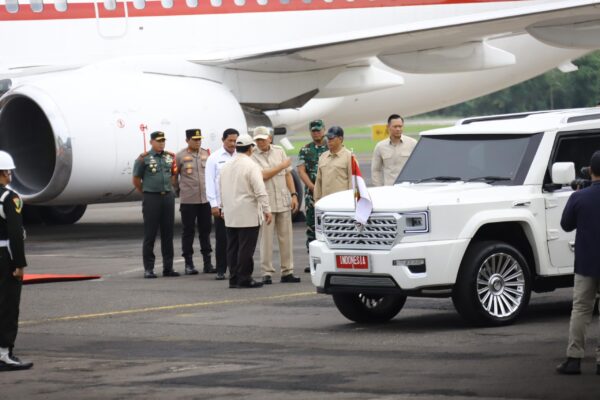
{"x": 309, "y": 156}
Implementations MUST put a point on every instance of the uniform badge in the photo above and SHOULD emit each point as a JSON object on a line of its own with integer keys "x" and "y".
{"x": 189, "y": 171}
{"x": 18, "y": 204}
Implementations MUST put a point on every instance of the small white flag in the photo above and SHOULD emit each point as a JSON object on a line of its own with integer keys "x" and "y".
{"x": 363, "y": 203}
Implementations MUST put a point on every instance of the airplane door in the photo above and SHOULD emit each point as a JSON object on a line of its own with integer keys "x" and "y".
{"x": 111, "y": 18}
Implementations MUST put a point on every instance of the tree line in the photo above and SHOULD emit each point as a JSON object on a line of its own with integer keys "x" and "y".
{"x": 552, "y": 90}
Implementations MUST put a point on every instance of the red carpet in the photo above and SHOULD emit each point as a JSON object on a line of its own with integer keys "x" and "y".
{"x": 30, "y": 279}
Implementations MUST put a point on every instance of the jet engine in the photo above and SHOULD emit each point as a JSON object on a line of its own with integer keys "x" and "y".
{"x": 75, "y": 135}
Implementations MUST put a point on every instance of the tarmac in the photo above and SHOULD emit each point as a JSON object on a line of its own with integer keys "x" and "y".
{"x": 192, "y": 337}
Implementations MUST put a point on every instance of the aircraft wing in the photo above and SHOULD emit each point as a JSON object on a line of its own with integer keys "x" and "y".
{"x": 456, "y": 43}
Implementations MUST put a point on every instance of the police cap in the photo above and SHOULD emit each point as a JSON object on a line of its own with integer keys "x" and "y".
{"x": 193, "y": 134}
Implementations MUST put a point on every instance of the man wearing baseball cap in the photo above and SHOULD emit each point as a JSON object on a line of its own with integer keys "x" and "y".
{"x": 335, "y": 166}
{"x": 245, "y": 205}
{"x": 308, "y": 162}
{"x": 283, "y": 200}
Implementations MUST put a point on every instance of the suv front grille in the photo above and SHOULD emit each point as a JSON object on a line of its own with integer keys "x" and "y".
{"x": 342, "y": 231}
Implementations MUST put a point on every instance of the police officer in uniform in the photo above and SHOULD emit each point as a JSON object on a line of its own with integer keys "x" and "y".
{"x": 194, "y": 208}
{"x": 12, "y": 262}
{"x": 152, "y": 174}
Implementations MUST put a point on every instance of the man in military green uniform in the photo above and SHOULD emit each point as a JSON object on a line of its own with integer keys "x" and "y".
{"x": 152, "y": 174}
{"x": 12, "y": 263}
{"x": 308, "y": 160}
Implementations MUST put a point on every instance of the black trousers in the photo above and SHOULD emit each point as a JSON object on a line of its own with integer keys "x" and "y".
{"x": 221, "y": 246}
{"x": 241, "y": 243}
{"x": 10, "y": 298}
{"x": 193, "y": 215}
{"x": 159, "y": 212}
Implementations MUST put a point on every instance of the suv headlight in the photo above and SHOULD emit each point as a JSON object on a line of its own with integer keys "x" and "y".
{"x": 417, "y": 222}
{"x": 319, "y": 221}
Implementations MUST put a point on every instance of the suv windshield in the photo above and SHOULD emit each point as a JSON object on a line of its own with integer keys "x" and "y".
{"x": 502, "y": 159}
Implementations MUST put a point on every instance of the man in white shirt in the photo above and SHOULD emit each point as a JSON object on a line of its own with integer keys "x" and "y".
{"x": 245, "y": 205}
{"x": 390, "y": 155}
{"x": 214, "y": 164}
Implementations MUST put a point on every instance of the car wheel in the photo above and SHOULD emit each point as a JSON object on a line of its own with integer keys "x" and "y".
{"x": 493, "y": 285}
{"x": 365, "y": 308}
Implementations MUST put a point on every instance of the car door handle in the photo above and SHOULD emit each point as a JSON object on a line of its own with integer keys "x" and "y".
{"x": 521, "y": 204}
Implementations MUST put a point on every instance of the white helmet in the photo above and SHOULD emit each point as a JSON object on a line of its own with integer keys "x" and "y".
{"x": 6, "y": 161}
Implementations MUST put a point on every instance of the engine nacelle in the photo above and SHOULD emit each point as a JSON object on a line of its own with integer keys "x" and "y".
{"x": 75, "y": 136}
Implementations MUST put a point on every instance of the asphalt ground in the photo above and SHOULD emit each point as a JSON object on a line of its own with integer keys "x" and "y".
{"x": 192, "y": 337}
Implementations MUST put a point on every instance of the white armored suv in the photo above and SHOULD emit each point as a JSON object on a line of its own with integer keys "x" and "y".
{"x": 474, "y": 215}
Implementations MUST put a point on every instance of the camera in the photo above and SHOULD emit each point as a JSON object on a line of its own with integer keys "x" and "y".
{"x": 584, "y": 181}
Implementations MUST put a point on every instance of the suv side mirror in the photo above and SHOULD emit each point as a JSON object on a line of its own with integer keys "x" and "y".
{"x": 563, "y": 173}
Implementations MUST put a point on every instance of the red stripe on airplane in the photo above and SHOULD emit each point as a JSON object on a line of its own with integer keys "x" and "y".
{"x": 155, "y": 9}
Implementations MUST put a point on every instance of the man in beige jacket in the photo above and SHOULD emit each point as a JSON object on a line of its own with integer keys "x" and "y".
{"x": 283, "y": 199}
{"x": 334, "y": 173}
{"x": 245, "y": 205}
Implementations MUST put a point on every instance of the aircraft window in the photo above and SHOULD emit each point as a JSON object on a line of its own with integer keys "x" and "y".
{"x": 60, "y": 5}
{"x": 191, "y": 3}
{"x": 36, "y": 6}
{"x": 139, "y": 4}
{"x": 167, "y": 3}
{"x": 216, "y": 3}
{"x": 284, "y": 1}
{"x": 239, "y": 2}
{"x": 307, "y": 1}
{"x": 12, "y": 6}
{"x": 110, "y": 5}
{"x": 262, "y": 2}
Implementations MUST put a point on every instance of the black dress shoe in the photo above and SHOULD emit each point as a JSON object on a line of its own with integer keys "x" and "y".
{"x": 572, "y": 366}
{"x": 232, "y": 284}
{"x": 220, "y": 277}
{"x": 170, "y": 272}
{"x": 307, "y": 269}
{"x": 209, "y": 269}
{"x": 190, "y": 270}
{"x": 150, "y": 275}
{"x": 251, "y": 284}
{"x": 266, "y": 280}
{"x": 10, "y": 362}
{"x": 597, "y": 369}
{"x": 290, "y": 279}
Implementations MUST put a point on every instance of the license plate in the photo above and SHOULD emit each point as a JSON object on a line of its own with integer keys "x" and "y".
{"x": 352, "y": 262}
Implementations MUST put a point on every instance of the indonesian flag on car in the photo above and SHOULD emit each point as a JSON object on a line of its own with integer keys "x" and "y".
{"x": 362, "y": 200}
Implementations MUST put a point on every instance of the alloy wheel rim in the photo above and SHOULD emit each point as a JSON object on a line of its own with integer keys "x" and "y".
{"x": 369, "y": 301}
{"x": 500, "y": 285}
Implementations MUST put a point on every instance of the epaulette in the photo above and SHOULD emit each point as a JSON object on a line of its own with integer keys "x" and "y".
{"x": 143, "y": 155}
{"x": 307, "y": 145}
{"x": 170, "y": 153}
{"x": 276, "y": 146}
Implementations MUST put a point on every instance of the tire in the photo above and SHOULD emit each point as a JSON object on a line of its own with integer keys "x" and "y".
{"x": 62, "y": 215}
{"x": 363, "y": 308}
{"x": 493, "y": 285}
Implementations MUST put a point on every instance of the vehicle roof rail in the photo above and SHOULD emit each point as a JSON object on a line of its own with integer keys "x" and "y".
{"x": 467, "y": 121}
{"x": 580, "y": 118}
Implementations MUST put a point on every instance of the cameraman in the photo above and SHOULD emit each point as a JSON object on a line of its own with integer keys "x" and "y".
{"x": 582, "y": 212}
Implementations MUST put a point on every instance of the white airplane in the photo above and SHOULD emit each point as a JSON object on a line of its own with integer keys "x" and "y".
{"x": 84, "y": 82}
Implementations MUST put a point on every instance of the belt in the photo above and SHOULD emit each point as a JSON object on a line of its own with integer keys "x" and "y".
{"x": 159, "y": 193}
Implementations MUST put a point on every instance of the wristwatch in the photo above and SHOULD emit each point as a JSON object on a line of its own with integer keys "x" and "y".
{"x": 294, "y": 194}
